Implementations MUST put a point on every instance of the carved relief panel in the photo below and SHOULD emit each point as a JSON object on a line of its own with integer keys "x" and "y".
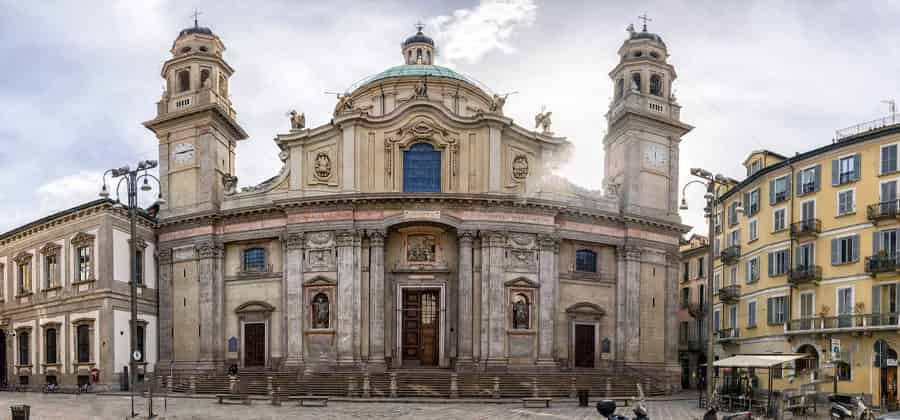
{"x": 519, "y": 164}
{"x": 422, "y": 248}
{"x": 521, "y": 253}
{"x": 320, "y": 252}
{"x": 321, "y": 165}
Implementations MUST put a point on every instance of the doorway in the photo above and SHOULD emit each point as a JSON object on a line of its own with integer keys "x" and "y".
{"x": 584, "y": 345}
{"x": 254, "y": 344}
{"x": 421, "y": 327}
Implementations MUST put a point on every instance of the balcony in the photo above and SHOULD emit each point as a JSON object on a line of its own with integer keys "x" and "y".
{"x": 806, "y": 228}
{"x": 731, "y": 254}
{"x": 808, "y": 274}
{"x": 882, "y": 263}
{"x": 807, "y": 188}
{"x": 730, "y": 294}
{"x": 728, "y": 334}
{"x": 697, "y": 310}
{"x": 843, "y": 323}
{"x": 884, "y": 210}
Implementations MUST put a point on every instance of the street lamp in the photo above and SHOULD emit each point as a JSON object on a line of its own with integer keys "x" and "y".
{"x": 130, "y": 178}
{"x": 712, "y": 184}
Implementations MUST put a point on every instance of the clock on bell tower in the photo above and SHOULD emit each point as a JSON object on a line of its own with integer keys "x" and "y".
{"x": 644, "y": 129}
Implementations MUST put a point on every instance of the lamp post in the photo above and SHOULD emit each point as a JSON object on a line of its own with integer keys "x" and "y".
{"x": 130, "y": 178}
{"x": 712, "y": 184}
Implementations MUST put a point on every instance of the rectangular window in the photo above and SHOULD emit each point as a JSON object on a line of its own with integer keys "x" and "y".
{"x": 752, "y": 270}
{"x": 751, "y": 314}
{"x": 843, "y": 371}
{"x": 805, "y": 256}
{"x": 50, "y": 342}
{"x": 809, "y": 181}
{"x": 845, "y": 250}
{"x": 845, "y": 306}
{"x": 717, "y": 318}
{"x": 753, "y": 231}
{"x": 686, "y": 271}
{"x": 24, "y": 348}
{"x": 25, "y": 278}
{"x": 732, "y": 316}
{"x": 889, "y": 159}
{"x": 778, "y": 220}
{"x": 717, "y": 226}
{"x": 717, "y": 282}
{"x": 717, "y": 247}
{"x": 83, "y": 255}
{"x": 778, "y": 262}
{"x": 734, "y": 237}
{"x": 51, "y": 271}
{"x": 701, "y": 294}
{"x": 685, "y": 297}
{"x": 752, "y": 202}
{"x": 777, "y": 310}
{"x": 846, "y": 202}
{"x": 139, "y": 267}
{"x": 83, "y": 343}
{"x": 733, "y": 277}
{"x": 755, "y": 167}
{"x": 732, "y": 213}
{"x": 845, "y": 170}
{"x": 781, "y": 189}
{"x": 701, "y": 267}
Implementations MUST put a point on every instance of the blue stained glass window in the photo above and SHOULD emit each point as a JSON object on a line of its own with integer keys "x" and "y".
{"x": 586, "y": 260}
{"x": 422, "y": 169}
{"x": 255, "y": 259}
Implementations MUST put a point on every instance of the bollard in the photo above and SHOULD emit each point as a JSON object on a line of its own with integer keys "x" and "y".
{"x": 169, "y": 383}
{"x": 232, "y": 385}
{"x": 365, "y": 385}
{"x": 608, "y": 389}
{"x": 351, "y": 387}
{"x": 496, "y": 387}
{"x": 269, "y": 389}
{"x": 534, "y": 387}
{"x": 276, "y": 396}
{"x": 573, "y": 389}
{"x": 393, "y": 385}
{"x": 192, "y": 384}
{"x": 454, "y": 387}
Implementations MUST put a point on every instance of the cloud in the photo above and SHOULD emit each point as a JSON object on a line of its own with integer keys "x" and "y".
{"x": 68, "y": 191}
{"x": 469, "y": 34}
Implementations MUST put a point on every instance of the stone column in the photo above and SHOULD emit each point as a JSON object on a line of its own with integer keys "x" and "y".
{"x": 548, "y": 278}
{"x": 673, "y": 262}
{"x": 376, "y": 299}
{"x": 294, "y": 303}
{"x": 620, "y": 306}
{"x": 218, "y": 340}
{"x": 164, "y": 284}
{"x": 632, "y": 303}
{"x": 207, "y": 252}
{"x": 346, "y": 276}
{"x": 496, "y": 308}
{"x": 464, "y": 326}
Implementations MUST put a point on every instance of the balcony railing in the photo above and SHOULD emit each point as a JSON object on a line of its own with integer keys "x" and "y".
{"x": 846, "y": 322}
{"x": 730, "y": 293}
{"x": 731, "y": 254}
{"x": 726, "y": 334}
{"x": 865, "y": 126}
{"x": 807, "y": 188}
{"x": 883, "y": 263}
{"x": 808, "y": 227}
{"x": 883, "y": 210}
{"x": 805, "y": 274}
{"x": 697, "y": 310}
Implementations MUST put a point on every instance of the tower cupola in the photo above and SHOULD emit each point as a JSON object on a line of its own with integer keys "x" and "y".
{"x": 419, "y": 48}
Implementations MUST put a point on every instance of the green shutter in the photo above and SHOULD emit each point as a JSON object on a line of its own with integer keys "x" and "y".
{"x": 856, "y": 168}
{"x": 769, "y": 313}
{"x": 771, "y": 264}
{"x": 787, "y": 188}
{"x": 772, "y": 192}
{"x": 835, "y": 252}
{"x": 876, "y": 242}
{"x": 876, "y": 299}
{"x": 818, "y": 177}
{"x": 854, "y": 240}
{"x": 800, "y": 183}
{"x": 835, "y": 173}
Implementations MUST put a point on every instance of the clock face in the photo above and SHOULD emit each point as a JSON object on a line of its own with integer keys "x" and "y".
{"x": 183, "y": 153}
{"x": 656, "y": 156}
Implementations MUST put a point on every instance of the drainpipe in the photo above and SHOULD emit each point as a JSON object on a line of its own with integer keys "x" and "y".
{"x": 791, "y": 256}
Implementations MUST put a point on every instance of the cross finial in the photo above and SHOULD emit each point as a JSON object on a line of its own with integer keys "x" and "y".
{"x": 196, "y": 14}
{"x": 645, "y": 19}
{"x": 419, "y": 25}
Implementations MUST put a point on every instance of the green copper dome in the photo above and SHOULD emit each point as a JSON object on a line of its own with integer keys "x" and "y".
{"x": 417, "y": 70}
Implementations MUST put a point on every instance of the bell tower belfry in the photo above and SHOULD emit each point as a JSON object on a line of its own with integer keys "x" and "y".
{"x": 644, "y": 128}
{"x": 195, "y": 124}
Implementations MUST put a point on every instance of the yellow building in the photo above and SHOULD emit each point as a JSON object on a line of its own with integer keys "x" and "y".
{"x": 807, "y": 251}
{"x": 692, "y": 308}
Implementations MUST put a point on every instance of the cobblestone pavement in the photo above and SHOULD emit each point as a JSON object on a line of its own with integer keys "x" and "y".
{"x": 72, "y": 407}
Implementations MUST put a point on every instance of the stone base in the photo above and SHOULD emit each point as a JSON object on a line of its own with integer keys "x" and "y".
{"x": 495, "y": 365}
{"x": 548, "y": 363}
{"x": 376, "y": 366}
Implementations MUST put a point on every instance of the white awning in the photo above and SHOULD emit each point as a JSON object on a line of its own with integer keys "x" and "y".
{"x": 757, "y": 360}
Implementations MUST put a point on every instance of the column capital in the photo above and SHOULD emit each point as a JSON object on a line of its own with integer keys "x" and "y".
{"x": 210, "y": 249}
{"x": 346, "y": 238}
{"x": 376, "y": 237}
{"x": 493, "y": 238}
{"x": 466, "y": 236}
{"x": 629, "y": 252}
{"x": 165, "y": 256}
{"x": 673, "y": 259}
{"x": 548, "y": 243}
{"x": 295, "y": 241}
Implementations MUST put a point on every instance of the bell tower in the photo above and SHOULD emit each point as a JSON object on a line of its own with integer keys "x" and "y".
{"x": 644, "y": 128}
{"x": 195, "y": 124}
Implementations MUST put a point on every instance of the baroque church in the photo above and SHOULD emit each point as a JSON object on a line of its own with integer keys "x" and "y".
{"x": 420, "y": 228}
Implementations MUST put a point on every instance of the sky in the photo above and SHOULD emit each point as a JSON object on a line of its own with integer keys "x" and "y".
{"x": 79, "y": 78}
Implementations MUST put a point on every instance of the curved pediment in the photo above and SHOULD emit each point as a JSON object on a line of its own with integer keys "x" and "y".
{"x": 320, "y": 281}
{"x": 254, "y": 306}
{"x": 585, "y": 308}
{"x": 522, "y": 282}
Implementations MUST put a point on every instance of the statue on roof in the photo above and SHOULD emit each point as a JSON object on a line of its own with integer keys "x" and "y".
{"x": 498, "y": 102}
{"x": 345, "y": 103}
{"x": 298, "y": 121}
{"x": 542, "y": 121}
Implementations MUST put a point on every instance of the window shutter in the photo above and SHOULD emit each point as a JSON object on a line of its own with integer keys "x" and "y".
{"x": 876, "y": 242}
{"x": 835, "y": 251}
{"x": 856, "y": 167}
{"x": 800, "y": 183}
{"x": 884, "y": 160}
{"x": 876, "y": 299}
{"x": 771, "y": 264}
{"x": 787, "y": 188}
{"x": 855, "y": 248}
{"x": 835, "y": 173}
{"x": 786, "y": 304}
{"x": 747, "y": 204}
{"x": 817, "y": 178}
{"x": 772, "y": 192}
{"x": 770, "y": 318}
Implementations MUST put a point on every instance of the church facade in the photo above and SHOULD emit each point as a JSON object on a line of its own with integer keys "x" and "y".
{"x": 420, "y": 227}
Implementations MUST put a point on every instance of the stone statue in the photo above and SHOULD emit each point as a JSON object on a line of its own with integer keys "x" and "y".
{"x": 611, "y": 188}
{"x": 421, "y": 88}
{"x": 520, "y": 314}
{"x": 298, "y": 121}
{"x": 320, "y": 311}
{"x": 345, "y": 103}
{"x": 542, "y": 120}
{"x": 230, "y": 183}
{"x": 498, "y": 102}
{"x": 207, "y": 83}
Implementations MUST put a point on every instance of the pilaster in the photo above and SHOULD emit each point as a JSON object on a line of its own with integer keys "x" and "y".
{"x": 632, "y": 312}
{"x": 496, "y": 243}
{"x": 165, "y": 306}
{"x": 549, "y": 298}
{"x": 294, "y": 307}
{"x": 347, "y": 275}
{"x": 208, "y": 253}
{"x": 376, "y": 299}
{"x": 465, "y": 325}
{"x": 673, "y": 262}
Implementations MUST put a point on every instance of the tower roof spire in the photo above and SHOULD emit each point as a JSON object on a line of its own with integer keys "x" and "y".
{"x": 645, "y": 18}
{"x": 196, "y": 14}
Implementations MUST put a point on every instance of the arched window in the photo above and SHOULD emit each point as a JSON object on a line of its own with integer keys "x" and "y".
{"x": 184, "y": 80}
{"x": 50, "y": 346}
{"x": 255, "y": 260}
{"x": 409, "y": 57}
{"x": 620, "y": 88}
{"x": 24, "y": 348}
{"x": 83, "y": 343}
{"x": 586, "y": 260}
{"x": 427, "y": 57}
{"x": 418, "y": 56}
{"x": 204, "y": 77}
{"x": 636, "y": 81}
{"x": 656, "y": 85}
{"x": 843, "y": 371}
{"x": 321, "y": 312}
{"x": 421, "y": 169}
{"x": 521, "y": 312}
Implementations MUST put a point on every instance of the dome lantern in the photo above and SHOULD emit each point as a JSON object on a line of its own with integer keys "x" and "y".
{"x": 419, "y": 48}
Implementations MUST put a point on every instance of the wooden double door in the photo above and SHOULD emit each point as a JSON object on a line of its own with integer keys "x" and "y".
{"x": 421, "y": 314}
{"x": 584, "y": 345}
{"x": 254, "y": 344}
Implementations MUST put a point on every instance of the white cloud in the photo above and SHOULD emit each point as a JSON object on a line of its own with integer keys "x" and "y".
{"x": 469, "y": 34}
{"x": 68, "y": 191}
